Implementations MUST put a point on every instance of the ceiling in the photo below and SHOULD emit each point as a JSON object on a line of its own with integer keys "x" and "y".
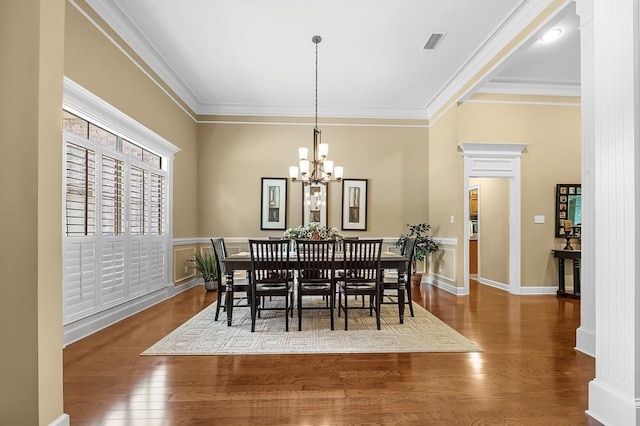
{"x": 256, "y": 57}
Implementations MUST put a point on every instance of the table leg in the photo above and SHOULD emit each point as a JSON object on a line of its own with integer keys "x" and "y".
{"x": 229, "y": 297}
{"x": 561, "y": 289}
{"x": 576, "y": 277}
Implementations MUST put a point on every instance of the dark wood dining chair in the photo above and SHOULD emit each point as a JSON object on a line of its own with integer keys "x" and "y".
{"x": 239, "y": 285}
{"x": 361, "y": 277}
{"x": 390, "y": 284}
{"x": 316, "y": 274}
{"x": 270, "y": 275}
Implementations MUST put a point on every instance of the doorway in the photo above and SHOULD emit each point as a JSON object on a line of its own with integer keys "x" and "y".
{"x": 496, "y": 160}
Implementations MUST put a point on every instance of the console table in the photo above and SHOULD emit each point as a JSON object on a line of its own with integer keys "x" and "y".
{"x": 562, "y": 255}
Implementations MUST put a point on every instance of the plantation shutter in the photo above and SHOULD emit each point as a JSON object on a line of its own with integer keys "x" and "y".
{"x": 80, "y": 190}
{"x": 112, "y": 196}
{"x": 79, "y": 278}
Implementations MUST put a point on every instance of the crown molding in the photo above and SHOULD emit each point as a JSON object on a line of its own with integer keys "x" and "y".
{"x": 122, "y": 25}
{"x": 521, "y": 15}
{"x": 305, "y": 111}
{"x": 521, "y": 87}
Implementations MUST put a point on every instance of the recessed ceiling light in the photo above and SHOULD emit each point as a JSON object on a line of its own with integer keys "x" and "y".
{"x": 551, "y": 35}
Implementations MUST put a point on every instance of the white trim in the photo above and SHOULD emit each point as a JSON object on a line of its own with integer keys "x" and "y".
{"x": 133, "y": 61}
{"x": 444, "y": 285}
{"x": 321, "y": 124}
{"x": 522, "y": 14}
{"x": 297, "y": 110}
{"x": 586, "y": 339}
{"x": 190, "y": 241}
{"x": 521, "y": 46}
{"x": 446, "y": 241}
{"x": 485, "y": 101}
{"x": 491, "y": 283}
{"x": 80, "y": 101}
{"x": 84, "y": 327}
{"x": 63, "y": 420}
{"x": 585, "y": 335}
{"x": 538, "y": 290}
{"x": 515, "y": 87}
{"x": 496, "y": 160}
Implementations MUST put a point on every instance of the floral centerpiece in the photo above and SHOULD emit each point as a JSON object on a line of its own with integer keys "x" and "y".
{"x": 313, "y": 231}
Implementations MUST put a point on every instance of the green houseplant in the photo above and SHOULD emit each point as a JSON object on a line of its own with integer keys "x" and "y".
{"x": 205, "y": 265}
{"x": 425, "y": 244}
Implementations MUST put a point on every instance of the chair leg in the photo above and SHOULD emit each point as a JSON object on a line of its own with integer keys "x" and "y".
{"x": 346, "y": 311}
{"x": 286, "y": 312}
{"x": 340, "y": 302}
{"x": 219, "y": 301}
{"x": 254, "y": 308}
{"x": 409, "y": 299}
{"x": 332, "y": 303}
{"x": 299, "y": 310}
{"x": 378, "y": 312}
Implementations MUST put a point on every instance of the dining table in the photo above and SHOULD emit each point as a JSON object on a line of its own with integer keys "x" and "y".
{"x": 242, "y": 262}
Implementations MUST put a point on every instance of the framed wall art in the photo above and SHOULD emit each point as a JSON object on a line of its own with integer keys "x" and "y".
{"x": 314, "y": 204}
{"x": 568, "y": 208}
{"x": 273, "y": 204}
{"x": 354, "y": 204}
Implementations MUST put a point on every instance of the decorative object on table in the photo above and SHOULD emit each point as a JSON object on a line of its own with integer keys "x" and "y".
{"x": 273, "y": 203}
{"x": 319, "y": 170}
{"x": 314, "y": 204}
{"x": 354, "y": 204}
{"x": 568, "y": 234}
{"x": 205, "y": 264}
{"x": 425, "y": 244}
{"x": 568, "y": 207}
{"x": 313, "y": 231}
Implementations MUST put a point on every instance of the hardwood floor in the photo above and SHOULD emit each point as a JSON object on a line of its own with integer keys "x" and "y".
{"x": 529, "y": 374}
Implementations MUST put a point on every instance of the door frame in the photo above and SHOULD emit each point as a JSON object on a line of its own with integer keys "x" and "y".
{"x": 496, "y": 160}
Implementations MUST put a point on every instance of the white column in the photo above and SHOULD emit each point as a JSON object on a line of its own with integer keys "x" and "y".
{"x": 586, "y": 333}
{"x": 614, "y": 394}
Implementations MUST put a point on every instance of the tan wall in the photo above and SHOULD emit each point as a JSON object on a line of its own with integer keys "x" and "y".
{"x": 232, "y": 158}
{"x": 92, "y": 61}
{"x": 445, "y": 194}
{"x": 30, "y": 180}
{"x": 552, "y": 156}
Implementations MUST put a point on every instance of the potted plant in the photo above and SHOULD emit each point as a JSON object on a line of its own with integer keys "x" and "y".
{"x": 206, "y": 266}
{"x": 425, "y": 244}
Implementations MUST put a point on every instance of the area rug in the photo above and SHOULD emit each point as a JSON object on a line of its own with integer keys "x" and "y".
{"x": 202, "y": 335}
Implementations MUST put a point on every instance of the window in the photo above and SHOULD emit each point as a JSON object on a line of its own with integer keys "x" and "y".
{"x": 116, "y": 229}
{"x": 112, "y": 196}
{"x": 80, "y": 190}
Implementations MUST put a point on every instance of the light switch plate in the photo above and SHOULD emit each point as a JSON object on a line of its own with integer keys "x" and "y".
{"x": 538, "y": 219}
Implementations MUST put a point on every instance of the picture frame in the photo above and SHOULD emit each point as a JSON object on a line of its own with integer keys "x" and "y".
{"x": 354, "y": 204}
{"x": 314, "y": 204}
{"x": 273, "y": 203}
{"x": 568, "y": 207}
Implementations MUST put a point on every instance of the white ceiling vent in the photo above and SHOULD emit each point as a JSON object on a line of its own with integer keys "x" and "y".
{"x": 434, "y": 41}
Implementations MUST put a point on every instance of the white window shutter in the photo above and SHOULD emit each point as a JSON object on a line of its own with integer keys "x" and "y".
{"x": 79, "y": 278}
{"x": 112, "y": 271}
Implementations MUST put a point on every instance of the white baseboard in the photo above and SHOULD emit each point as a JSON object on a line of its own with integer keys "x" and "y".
{"x": 63, "y": 420}
{"x": 177, "y": 289}
{"x": 84, "y": 327}
{"x": 443, "y": 285}
{"x": 586, "y": 341}
{"x": 538, "y": 290}
{"x": 495, "y": 284}
{"x": 610, "y": 406}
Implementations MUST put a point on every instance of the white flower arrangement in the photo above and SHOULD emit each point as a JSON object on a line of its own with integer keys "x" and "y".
{"x": 313, "y": 231}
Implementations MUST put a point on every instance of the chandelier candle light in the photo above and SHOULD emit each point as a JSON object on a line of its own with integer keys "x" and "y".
{"x": 318, "y": 170}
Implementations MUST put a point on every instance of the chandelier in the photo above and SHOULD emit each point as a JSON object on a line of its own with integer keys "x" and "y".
{"x": 318, "y": 170}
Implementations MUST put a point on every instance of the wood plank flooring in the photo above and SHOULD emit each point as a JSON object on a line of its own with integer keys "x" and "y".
{"x": 529, "y": 374}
